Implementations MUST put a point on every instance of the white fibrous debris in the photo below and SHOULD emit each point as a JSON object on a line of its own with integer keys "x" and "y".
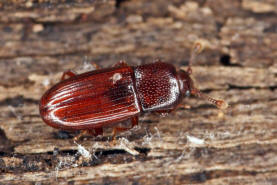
{"x": 211, "y": 136}
{"x": 181, "y": 156}
{"x": 158, "y": 132}
{"x": 40, "y": 79}
{"x": 116, "y": 77}
{"x": 147, "y": 139}
{"x": 65, "y": 162}
{"x": 127, "y": 146}
{"x": 163, "y": 115}
{"x": 46, "y": 82}
{"x": 84, "y": 152}
{"x": 88, "y": 66}
{"x": 186, "y": 154}
{"x": 195, "y": 140}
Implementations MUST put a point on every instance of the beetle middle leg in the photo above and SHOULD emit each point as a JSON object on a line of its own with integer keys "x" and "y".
{"x": 173, "y": 110}
{"x": 134, "y": 121}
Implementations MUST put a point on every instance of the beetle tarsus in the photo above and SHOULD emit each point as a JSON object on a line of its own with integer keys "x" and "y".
{"x": 118, "y": 130}
{"x": 134, "y": 121}
{"x": 96, "y": 66}
{"x": 121, "y": 63}
{"x": 93, "y": 132}
{"x": 222, "y": 104}
{"x": 67, "y": 73}
{"x": 81, "y": 134}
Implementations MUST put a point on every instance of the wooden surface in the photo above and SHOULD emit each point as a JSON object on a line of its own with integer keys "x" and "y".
{"x": 201, "y": 145}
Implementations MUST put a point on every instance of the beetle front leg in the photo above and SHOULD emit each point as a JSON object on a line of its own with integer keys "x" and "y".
{"x": 67, "y": 73}
{"x": 169, "y": 110}
{"x": 173, "y": 110}
{"x": 164, "y": 111}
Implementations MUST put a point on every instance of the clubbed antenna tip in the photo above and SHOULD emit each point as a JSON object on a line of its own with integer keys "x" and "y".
{"x": 196, "y": 49}
{"x": 221, "y": 104}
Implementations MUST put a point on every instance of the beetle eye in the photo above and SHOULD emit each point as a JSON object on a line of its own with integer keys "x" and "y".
{"x": 187, "y": 93}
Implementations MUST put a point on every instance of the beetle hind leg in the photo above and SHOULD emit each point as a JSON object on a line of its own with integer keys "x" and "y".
{"x": 121, "y": 63}
{"x": 93, "y": 132}
{"x": 96, "y": 132}
{"x": 67, "y": 73}
{"x": 96, "y": 66}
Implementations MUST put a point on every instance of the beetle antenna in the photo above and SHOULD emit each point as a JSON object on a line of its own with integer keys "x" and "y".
{"x": 196, "y": 49}
{"x": 221, "y": 104}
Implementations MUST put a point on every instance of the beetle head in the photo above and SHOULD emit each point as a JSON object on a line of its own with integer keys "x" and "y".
{"x": 185, "y": 83}
{"x": 187, "y": 88}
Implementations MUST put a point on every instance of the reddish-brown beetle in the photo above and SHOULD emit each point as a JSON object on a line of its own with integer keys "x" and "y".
{"x": 100, "y": 98}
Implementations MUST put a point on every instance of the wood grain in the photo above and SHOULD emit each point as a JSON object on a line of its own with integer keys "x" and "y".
{"x": 197, "y": 145}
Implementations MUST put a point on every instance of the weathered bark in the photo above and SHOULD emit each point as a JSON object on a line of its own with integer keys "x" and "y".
{"x": 199, "y": 145}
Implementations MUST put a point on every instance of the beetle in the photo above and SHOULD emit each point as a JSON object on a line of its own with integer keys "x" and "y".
{"x": 103, "y": 97}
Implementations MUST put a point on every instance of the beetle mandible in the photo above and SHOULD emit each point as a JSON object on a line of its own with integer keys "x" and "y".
{"x": 100, "y": 98}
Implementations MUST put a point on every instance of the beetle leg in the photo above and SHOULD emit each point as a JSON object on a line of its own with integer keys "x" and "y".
{"x": 134, "y": 121}
{"x": 164, "y": 111}
{"x": 93, "y": 132}
{"x": 81, "y": 134}
{"x": 161, "y": 112}
{"x": 96, "y": 66}
{"x": 174, "y": 109}
{"x": 67, "y": 73}
{"x": 116, "y": 130}
{"x": 121, "y": 63}
{"x": 98, "y": 131}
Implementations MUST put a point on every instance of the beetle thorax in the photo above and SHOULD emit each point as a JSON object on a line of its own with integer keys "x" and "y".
{"x": 157, "y": 86}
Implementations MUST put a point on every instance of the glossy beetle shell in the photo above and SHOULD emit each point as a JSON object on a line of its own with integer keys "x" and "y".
{"x": 91, "y": 100}
{"x": 100, "y": 98}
